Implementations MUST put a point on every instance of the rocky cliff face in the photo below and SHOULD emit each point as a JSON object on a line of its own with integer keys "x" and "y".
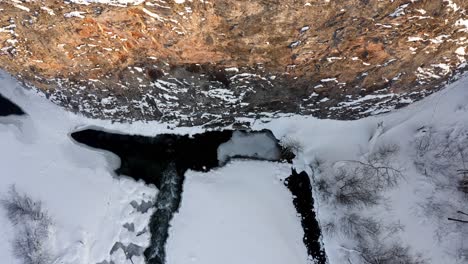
{"x": 197, "y": 61}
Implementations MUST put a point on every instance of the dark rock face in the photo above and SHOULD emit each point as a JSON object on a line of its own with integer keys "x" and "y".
{"x": 201, "y": 62}
{"x": 9, "y": 108}
{"x": 163, "y": 161}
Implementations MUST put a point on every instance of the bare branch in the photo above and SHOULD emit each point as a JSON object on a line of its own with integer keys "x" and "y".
{"x": 457, "y": 220}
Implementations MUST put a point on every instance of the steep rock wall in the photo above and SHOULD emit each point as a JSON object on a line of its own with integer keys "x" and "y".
{"x": 198, "y": 61}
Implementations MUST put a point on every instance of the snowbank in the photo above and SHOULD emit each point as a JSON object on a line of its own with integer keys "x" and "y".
{"x": 240, "y": 213}
{"x": 88, "y": 206}
{"x": 259, "y": 145}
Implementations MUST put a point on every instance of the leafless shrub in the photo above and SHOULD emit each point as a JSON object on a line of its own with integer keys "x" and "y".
{"x": 384, "y": 153}
{"x": 359, "y": 228}
{"x": 463, "y": 185}
{"x": 317, "y": 164}
{"x": 19, "y": 207}
{"x": 435, "y": 208}
{"x": 438, "y": 207}
{"x": 348, "y": 189}
{"x": 361, "y": 183}
{"x": 462, "y": 253}
{"x": 291, "y": 144}
{"x": 357, "y": 184}
{"x": 354, "y": 190}
{"x": 374, "y": 241}
{"x": 380, "y": 167}
{"x": 316, "y": 168}
{"x": 323, "y": 188}
{"x": 330, "y": 228}
{"x": 29, "y": 244}
{"x": 32, "y": 224}
{"x": 372, "y": 246}
{"x": 364, "y": 228}
{"x": 376, "y": 252}
{"x": 444, "y": 160}
{"x": 442, "y": 156}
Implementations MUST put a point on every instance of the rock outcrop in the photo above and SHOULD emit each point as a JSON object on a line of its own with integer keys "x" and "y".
{"x": 206, "y": 61}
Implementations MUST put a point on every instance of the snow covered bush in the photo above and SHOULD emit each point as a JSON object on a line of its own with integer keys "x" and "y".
{"x": 29, "y": 244}
{"x": 359, "y": 227}
{"x": 377, "y": 252}
{"x": 352, "y": 189}
{"x": 19, "y": 207}
{"x": 441, "y": 155}
{"x": 464, "y": 181}
{"x": 32, "y": 224}
{"x": 290, "y": 147}
{"x": 374, "y": 241}
{"x": 355, "y": 183}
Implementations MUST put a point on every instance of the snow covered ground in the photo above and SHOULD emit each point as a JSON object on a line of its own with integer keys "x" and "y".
{"x": 428, "y": 192}
{"x": 240, "y": 213}
{"x": 89, "y": 206}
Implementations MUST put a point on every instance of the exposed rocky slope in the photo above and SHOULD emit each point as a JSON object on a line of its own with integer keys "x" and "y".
{"x": 197, "y": 61}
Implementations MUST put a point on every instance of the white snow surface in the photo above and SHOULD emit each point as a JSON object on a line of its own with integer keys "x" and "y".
{"x": 239, "y": 213}
{"x": 445, "y": 112}
{"x": 258, "y": 145}
{"x": 89, "y": 205}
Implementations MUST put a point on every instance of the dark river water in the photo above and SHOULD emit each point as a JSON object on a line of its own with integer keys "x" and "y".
{"x": 163, "y": 160}
{"x": 9, "y": 108}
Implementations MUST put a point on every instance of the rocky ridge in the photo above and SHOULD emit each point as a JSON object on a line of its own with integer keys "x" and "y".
{"x": 200, "y": 62}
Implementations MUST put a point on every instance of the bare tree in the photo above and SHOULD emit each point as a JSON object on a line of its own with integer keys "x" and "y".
{"x": 30, "y": 243}
{"x": 19, "y": 207}
{"x": 463, "y": 186}
{"x": 360, "y": 228}
{"x": 375, "y": 241}
{"x": 376, "y": 252}
{"x": 353, "y": 185}
{"x": 290, "y": 147}
{"x": 379, "y": 167}
{"x": 356, "y": 183}
{"x": 355, "y": 190}
{"x": 32, "y": 224}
